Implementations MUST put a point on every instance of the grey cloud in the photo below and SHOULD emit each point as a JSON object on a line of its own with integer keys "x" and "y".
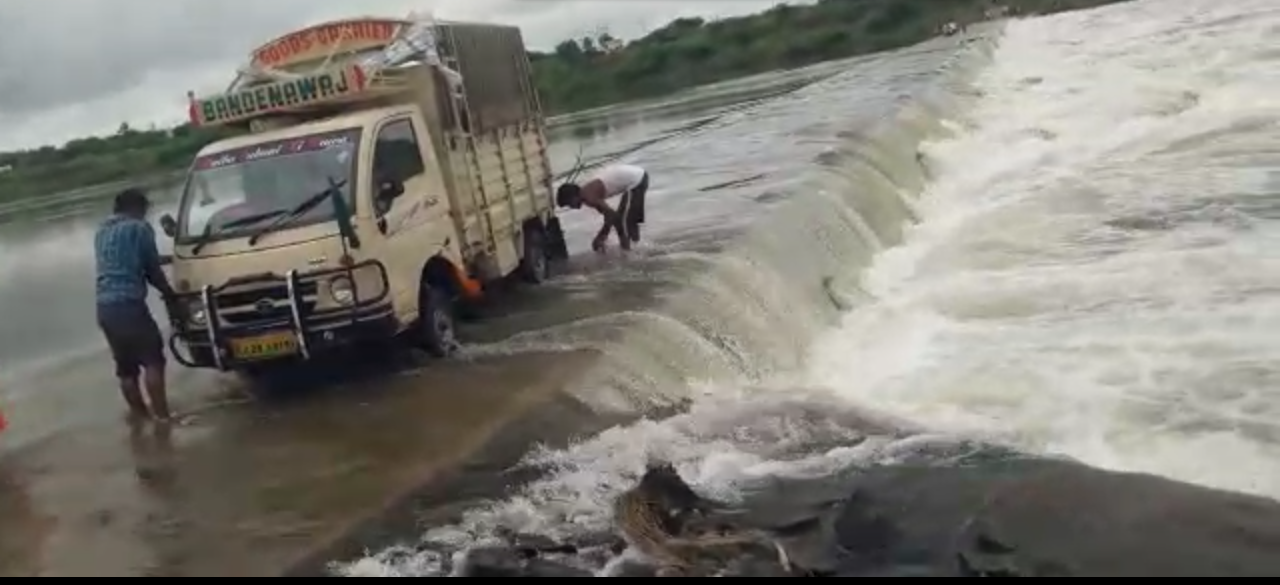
{"x": 62, "y": 52}
{"x": 57, "y": 54}
{"x": 54, "y": 53}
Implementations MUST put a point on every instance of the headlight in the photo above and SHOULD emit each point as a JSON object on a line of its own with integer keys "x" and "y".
{"x": 195, "y": 313}
{"x": 342, "y": 290}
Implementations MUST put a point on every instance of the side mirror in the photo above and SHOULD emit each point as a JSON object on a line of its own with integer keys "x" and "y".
{"x": 169, "y": 225}
{"x": 388, "y": 190}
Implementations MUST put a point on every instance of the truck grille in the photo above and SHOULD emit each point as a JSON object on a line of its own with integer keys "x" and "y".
{"x": 263, "y": 304}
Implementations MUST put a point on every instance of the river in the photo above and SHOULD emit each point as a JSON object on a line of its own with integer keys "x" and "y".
{"x": 1057, "y": 234}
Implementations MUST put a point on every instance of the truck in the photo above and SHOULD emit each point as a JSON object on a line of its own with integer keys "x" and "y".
{"x": 382, "y": 173}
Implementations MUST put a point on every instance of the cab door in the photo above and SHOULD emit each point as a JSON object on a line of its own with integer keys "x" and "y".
{"x": 415, "y": 224}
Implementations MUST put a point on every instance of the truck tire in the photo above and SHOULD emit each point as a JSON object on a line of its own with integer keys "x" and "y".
{"x": 534, "y": 266}
{"x": 557, "y": 247}
{"x": 436, "y": 332}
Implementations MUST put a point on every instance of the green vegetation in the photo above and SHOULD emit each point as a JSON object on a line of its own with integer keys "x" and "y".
{"x": 690, "y": 52}
{"x": 83, "y": 162}
{"x": 579, "y": 74}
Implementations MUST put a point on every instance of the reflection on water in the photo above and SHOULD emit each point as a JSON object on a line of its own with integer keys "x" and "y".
{"x": 153, "y": 457}
{"x": 165, "y": 523}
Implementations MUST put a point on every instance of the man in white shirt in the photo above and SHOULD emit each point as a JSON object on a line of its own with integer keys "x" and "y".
{"x": 629, "y": 181}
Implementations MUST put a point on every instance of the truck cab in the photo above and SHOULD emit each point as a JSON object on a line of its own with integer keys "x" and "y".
{"x": 387, "y": 170}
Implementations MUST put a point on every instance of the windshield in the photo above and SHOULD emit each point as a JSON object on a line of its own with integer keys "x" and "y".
{"x": 228, "y": 189}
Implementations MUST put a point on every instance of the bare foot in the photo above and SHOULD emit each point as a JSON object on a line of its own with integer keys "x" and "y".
{"x": 173, "y": 420}
{"x": 135, "y": 418}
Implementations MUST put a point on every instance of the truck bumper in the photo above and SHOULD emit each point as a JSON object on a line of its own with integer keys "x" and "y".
{"x": 290, "y": 327}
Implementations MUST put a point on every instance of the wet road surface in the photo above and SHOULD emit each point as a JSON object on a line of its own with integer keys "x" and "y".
{"x": 256, "y": 480}
{"x": 259, "y": 478}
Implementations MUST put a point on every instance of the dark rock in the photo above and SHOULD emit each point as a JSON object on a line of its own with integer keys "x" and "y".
{"x": 532, "y": 545}
{"x": 492, "y": 562}
{"x": 1052, "y": 518}
{"x": 630, "y": 568}
{"x": 599, "y": 556}
{"x": 546, "y": 568}
{"x": 535, "y": 542}
{"x": 495, "y": 561}
{"x": 751, "y": 566}
{"x": 680, "y": 505}
{"x": 992, "y": 515}
{"x": 600, "y": 540}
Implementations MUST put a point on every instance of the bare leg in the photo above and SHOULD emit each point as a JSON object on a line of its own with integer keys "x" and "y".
{"x": 133, "y": 397}
{"x": 157, "y": 394}
{"x": 624, "y": 221}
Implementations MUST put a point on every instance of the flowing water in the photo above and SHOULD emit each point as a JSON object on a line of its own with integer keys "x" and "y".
{"x": 1057, "y": 234}
{"x": 1093, "y": 273}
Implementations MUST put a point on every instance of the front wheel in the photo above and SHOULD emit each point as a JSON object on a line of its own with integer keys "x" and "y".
{"x": 436, "y": 332}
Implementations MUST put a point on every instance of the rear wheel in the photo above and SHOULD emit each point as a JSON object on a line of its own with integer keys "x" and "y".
{"x": 556, "y": 245}
{"x": 436, "y": 333}
{"x": 534, "y": 267}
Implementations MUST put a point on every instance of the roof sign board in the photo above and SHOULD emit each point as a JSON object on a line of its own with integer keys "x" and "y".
{"x": 257, "y": 100}
{"x": 320, "y": 41}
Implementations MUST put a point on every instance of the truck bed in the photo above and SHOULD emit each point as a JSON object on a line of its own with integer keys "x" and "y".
{"x": 493, "y": 139}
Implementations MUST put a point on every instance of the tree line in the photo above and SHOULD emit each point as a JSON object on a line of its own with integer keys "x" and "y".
{"x": 578, "y": 74}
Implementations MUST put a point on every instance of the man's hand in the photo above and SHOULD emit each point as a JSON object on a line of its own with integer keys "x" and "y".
{"x": 177, "y": 311}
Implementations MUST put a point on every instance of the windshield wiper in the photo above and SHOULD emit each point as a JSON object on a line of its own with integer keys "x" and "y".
{"x": 202, "y": 239}
{"x": 252, "y": 219}
{"x": 206, "y": 235}
{"x": 303, "y": 207}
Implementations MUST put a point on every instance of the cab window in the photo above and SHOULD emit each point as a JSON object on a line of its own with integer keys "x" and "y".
{"x": 396, "y": 158}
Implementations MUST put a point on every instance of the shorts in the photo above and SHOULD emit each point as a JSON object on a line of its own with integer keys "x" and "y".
{"x": 631, "y": 209}
{"x": 133, "y": 336}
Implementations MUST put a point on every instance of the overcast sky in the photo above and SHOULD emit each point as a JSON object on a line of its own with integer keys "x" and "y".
{"x": 68, "y": 69}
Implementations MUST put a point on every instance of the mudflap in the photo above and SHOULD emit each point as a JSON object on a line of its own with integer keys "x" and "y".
{"x": 557, "y": 246}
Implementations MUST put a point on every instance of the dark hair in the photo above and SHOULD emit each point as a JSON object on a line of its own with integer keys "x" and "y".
{"x": 132, "y": 200}
{"x": 567, "y": 194}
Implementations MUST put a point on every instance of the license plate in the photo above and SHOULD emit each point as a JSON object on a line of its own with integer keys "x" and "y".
{"x": 265, "y": 346}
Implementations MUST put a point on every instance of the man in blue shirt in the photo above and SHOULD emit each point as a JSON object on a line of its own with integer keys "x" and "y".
{"x": 127, "y": 261}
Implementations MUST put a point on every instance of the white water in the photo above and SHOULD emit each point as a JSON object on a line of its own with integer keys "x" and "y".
{"x": 1015, "y": 308}
{"x": 1095, "y": 275}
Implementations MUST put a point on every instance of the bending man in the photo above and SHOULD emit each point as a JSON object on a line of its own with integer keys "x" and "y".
{"x": 628, "y": 181}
